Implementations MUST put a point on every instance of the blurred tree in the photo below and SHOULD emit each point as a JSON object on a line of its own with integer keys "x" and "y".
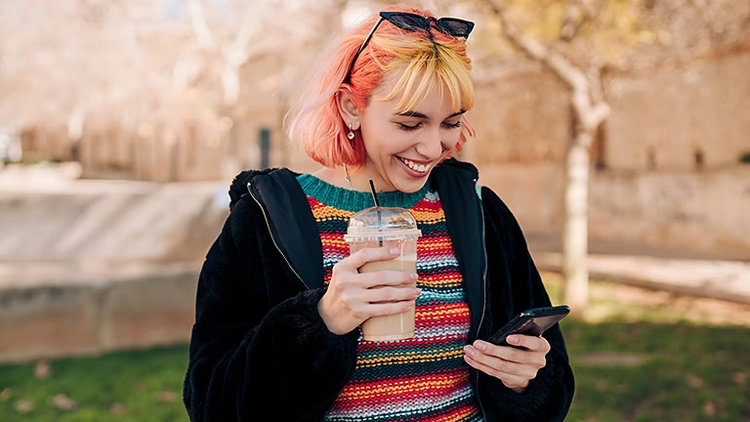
{"x": 264, "y": 28}
{"x": 64, "y": 60}
{"x": 577, "y": 40}
{"x": 152, "y": 67}
{"x": 590, "y": 110}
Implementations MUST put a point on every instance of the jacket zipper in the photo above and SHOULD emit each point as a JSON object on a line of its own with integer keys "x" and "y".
{"x": 270, "y": 233}
{"x": 484, "y": 309}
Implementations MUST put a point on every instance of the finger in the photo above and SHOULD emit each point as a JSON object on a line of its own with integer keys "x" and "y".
{"x": 496, "y": 364}
{"x": 533, "y": 343}
{"x": 380, "y": 309}
{"x": 510, "y": 380}
{"x": 387, "y": 278}
{"x": 508, "y": 353}
{"x": 363, "y": 256}
{"x": 513, "y": 354}
{"x": 498, "y": 368}
{"x": 476, "y": 362}
{"x": 392, "y": 294}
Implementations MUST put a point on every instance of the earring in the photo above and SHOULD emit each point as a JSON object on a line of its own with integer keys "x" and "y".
{"x": 350, "y": 135}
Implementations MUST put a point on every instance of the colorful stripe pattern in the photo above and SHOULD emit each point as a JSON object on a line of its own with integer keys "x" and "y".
{"x": 423, "y": 378}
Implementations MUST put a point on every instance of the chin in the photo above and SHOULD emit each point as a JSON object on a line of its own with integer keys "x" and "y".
{"x": 411, "y": 185}
{"x": 405, "y": 180}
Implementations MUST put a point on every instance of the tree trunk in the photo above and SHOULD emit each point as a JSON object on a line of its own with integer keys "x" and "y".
{"x": 230, "y": 78}
{"x": 590, "y": 110}
{"x": 575, "y": 229}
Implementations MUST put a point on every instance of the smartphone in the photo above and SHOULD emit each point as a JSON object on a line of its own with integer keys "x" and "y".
{"x": 531, "y": 322}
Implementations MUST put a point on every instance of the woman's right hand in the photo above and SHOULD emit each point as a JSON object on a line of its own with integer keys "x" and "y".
{"x": 350, "y": 298}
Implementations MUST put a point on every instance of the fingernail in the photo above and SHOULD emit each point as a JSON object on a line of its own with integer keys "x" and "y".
{"x": 414, "y": 276}
{"x": 469, "y": 350}
{"x": 512, "y": 339}
{"x": 395, "y": 251}
{"x": 479, "y": 345}
{"x": 417, "y": 292}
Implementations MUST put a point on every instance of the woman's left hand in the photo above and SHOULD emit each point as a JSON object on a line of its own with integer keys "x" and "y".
{"x": 515, "y": 367}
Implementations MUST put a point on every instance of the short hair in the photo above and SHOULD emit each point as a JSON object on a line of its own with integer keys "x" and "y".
{"x": 439, "y": 59}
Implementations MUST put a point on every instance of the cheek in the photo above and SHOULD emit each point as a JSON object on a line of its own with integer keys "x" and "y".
{"x": 450, "y": 140}
{"x": 384, "y": 141}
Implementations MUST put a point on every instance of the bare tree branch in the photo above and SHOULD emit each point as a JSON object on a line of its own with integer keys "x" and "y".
{"x": 536, "y": 51}
{"x": 589, "y": 115}
{"x": 595, "y": 84}
{"x": 200, "y": 26}
{"x": 706, "y": 14}
{"x": 571, "y": 23}
{"x": 578, "y": 13}
{"x": 238, "y": 51}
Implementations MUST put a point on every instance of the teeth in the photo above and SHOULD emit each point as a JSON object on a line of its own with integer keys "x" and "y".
{"x": 414, "y": 166}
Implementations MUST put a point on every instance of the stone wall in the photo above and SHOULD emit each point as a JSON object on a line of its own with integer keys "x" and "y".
{"x": 668, "y": 158}
{"x": 109, "y": 220}
{"x": 523, "y": 118}
{"x": 693, "y": 211}
{"x": 80, "y": 313}
{"x": 691, "y": 117}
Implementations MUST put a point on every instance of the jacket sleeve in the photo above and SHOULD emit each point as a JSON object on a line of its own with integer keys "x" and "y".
{"x": 516, "y": 286}
{"x": 258, "y": 337}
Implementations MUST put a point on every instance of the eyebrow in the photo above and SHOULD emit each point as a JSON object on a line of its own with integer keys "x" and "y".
{"x": 410, "y": 113}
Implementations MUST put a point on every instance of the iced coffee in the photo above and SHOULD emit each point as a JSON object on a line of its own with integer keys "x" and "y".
{"x": 388, "y": 228}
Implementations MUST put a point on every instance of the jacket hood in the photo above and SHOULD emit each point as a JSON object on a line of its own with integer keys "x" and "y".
{"x": 238, "y": 188}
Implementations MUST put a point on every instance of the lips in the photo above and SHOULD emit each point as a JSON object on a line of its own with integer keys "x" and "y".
{"x": 419, "y": 167}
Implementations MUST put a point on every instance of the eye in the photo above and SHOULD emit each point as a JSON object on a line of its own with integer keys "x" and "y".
{"x": 452, "y": 125}
{"x": 409, "y": 128}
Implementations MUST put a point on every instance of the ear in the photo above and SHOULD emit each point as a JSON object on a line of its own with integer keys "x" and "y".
{"x": 348, "y": 111}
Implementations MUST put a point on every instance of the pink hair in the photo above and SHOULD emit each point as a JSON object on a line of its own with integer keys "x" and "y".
{"x": 318, "y": 125}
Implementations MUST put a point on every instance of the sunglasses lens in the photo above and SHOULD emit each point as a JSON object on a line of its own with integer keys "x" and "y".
{"x": 409, "y": 21}
{"x": 456, "y": 27}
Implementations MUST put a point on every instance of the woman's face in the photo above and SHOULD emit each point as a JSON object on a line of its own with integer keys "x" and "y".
{"x": 403, "y": 146}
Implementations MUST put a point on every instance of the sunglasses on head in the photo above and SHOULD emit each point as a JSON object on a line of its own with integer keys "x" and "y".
{"x": 413, "y": 22}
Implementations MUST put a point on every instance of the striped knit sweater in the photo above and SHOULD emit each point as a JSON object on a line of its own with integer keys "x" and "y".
{"x": 423, "y": 378}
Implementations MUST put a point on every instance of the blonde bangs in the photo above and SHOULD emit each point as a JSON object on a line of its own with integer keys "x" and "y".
{"x": 435, "y": 66}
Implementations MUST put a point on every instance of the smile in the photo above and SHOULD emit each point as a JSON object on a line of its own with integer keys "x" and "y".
{"x": 420, "y": 168}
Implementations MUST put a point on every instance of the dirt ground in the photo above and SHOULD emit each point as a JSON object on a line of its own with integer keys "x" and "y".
{"x": 692, "y": 309}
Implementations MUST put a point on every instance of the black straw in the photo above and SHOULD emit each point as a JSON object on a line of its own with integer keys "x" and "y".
{"x": 374, "y": 196}
{"x": 377, "y": 208}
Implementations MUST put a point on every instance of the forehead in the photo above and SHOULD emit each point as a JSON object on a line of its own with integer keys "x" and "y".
{"x": 421, "y": 92}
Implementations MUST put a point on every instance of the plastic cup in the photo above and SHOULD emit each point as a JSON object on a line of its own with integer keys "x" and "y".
{"x": 387, "y": 228}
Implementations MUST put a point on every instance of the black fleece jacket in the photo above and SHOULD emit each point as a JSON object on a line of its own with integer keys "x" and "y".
{"x": 259, "y": 349}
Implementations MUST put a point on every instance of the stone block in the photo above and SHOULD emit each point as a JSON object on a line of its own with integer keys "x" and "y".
{"x": 151, "y": 310}
{"x": 49, "y": 321}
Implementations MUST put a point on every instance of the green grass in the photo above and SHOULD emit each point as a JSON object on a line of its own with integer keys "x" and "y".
{"x": 634, "y": 360}
{"x": 135, "y": 386}
{"x": 686, "y": 373}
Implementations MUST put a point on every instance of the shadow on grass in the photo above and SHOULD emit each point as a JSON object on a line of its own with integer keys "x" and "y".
{"x": 643, "y": 371}
{"x": 636, "y": 371}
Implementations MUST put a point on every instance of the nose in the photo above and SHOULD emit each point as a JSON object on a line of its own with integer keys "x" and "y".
{"x": 430, "y": 144}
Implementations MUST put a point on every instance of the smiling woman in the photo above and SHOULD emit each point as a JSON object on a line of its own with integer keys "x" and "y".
{"x": 281, "y": 300}
{"x": 402, "y": 65}
{"x": 403, "y": 138}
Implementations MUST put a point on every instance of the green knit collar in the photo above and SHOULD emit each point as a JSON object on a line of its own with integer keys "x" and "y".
{"x": 354, "y": 201}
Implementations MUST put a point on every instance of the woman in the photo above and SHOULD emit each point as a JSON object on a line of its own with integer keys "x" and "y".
{"x": 280, "y": 300}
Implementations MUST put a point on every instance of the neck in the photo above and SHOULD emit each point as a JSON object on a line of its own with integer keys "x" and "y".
{"x": 360, "y": 180}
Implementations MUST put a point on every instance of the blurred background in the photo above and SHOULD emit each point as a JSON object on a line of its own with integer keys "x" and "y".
{"x": 625, "y": 123}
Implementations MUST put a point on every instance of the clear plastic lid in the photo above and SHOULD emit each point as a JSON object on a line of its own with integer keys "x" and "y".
{"x": 382, "y": 223}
